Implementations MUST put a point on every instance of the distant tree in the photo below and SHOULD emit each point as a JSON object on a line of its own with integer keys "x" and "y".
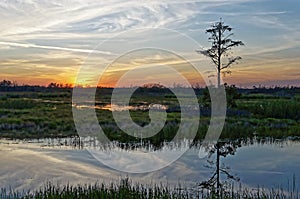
{"x": 68, "y": 85}
{"x": 221, "y": 44}
{"x": 153, "y": 85}
{"x": 55, "y": 85}
{"x": 6, "y": 83}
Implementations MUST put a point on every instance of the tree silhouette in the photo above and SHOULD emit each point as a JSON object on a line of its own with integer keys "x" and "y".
{"x": 6, "y": 83}
{"x": 221, "y": 44}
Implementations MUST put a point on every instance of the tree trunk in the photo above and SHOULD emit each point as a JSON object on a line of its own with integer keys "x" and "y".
{"x": 219, "y": 54}
{"x": 219, "y": 79}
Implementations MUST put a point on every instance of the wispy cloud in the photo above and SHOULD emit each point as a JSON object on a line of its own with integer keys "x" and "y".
{"x": 32, "y": 16}
{"x": 54, "y": 28}
{"x": 28, "y": 45}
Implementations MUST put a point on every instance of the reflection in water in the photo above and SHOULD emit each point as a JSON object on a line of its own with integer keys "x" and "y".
{"x": 115, "y": 107}
{"x": 268, "y": 163}
{"x": 221, "y": 150}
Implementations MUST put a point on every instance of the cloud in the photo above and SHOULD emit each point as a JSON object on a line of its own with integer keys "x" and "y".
{"x": 41, "y": 16}
{"x": 28, "y": 45}
{"x": 33, "y": 28}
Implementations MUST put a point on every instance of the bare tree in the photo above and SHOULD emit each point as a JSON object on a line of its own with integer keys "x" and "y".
{"x": 221, "y": 44}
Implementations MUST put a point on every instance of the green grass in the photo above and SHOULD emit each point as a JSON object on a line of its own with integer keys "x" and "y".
{"x": 49, "y": 114}
{"x": 280, "y": 108}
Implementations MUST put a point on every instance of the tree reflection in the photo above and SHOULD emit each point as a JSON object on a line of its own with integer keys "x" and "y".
{"x": 220, "y": 149}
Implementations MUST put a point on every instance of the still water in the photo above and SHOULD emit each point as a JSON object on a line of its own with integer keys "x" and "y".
{"x": 30, "y": 165}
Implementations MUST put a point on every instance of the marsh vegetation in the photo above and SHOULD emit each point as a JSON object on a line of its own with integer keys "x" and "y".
{"x": 45, "y": 116}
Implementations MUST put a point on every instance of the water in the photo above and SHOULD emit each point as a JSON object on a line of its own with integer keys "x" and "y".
{"x": 115, "y": 107}
{"x": 29, "y": 165}
{"x": 100, "y": 105}
{"x": 268, "y": 165}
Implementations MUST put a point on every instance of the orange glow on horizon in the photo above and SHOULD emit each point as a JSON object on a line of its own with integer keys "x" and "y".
{"x": 247, "y": 74}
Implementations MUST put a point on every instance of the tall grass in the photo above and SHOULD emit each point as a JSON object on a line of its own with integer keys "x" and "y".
{"x": 125, "y": 189}
{"x": 281, "y": 109}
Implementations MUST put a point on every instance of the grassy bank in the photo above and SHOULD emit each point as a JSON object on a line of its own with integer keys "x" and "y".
{"x": 126, "y": 190}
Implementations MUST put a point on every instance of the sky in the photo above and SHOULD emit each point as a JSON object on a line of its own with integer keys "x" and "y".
{"x": 96, "y": 42}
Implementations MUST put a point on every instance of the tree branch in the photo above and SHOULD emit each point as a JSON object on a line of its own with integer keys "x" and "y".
{"x": 230, "y": 62}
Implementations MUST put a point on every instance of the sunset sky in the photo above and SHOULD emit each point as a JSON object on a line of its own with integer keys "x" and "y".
{"x": 45, "y": 41}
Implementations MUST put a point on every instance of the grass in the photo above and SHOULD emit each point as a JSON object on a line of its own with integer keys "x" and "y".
{"x": 49, "y": 114}
{"x": 125, "y": 189}
{"x": 279, "y": 108}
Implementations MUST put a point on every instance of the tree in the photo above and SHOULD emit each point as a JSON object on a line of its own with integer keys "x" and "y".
{"x": 55, "y": 85}
{"x": 221, "y": 45}
{"x": 6, "y": 83}
{"x": 232, "y": 94}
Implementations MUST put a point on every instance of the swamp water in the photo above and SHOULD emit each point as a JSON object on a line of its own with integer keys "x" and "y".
{"x": 31, "y": 164}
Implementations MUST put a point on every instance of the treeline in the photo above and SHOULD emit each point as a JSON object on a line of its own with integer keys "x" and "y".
{"x": 7, "y": 85}
{"x": 280, "y": 90}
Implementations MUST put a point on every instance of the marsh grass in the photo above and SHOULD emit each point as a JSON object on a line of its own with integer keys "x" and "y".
{"x": 125, "y": 189}
{"x": 49, "y": 114}
{"x": 279, "y": 108}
